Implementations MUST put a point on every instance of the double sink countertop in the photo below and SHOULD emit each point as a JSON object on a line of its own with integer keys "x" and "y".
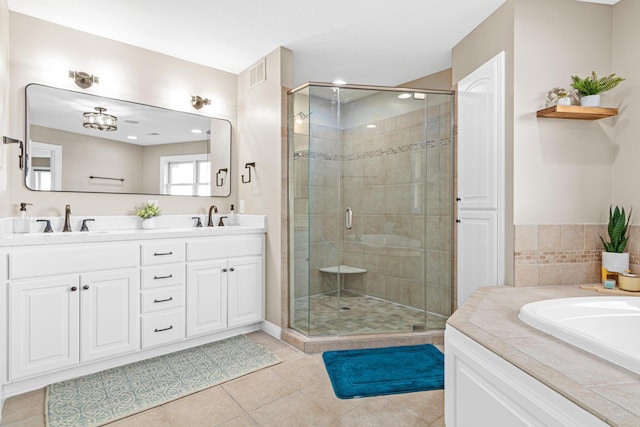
{"x": 490, "y": 317}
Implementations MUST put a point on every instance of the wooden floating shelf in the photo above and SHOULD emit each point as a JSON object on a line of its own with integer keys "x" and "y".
{"x": 577, "y": 112}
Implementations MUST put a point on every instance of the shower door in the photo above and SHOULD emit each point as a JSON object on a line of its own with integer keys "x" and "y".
{"x": 369, "y": 185}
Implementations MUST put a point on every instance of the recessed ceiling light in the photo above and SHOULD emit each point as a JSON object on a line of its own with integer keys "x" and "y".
{"x": 196, "y": 131}
{"x": 371, "y": 126}
{"x": 132, "y": 137}
{"x": 339, "y": 82}
{"x": 404, "y": 95}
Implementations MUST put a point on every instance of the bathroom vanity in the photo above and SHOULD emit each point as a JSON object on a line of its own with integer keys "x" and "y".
{"x": 77, "y": 303}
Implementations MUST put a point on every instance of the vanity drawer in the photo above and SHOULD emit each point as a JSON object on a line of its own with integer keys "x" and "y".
{"x": 162, "y": 252}
{"x": 162, "y": 299}
{"x": 224, "y": 247}
{"x": 165, "y": 275}
{"x": 52, "y": 261}
{"x": 162, "y": 328}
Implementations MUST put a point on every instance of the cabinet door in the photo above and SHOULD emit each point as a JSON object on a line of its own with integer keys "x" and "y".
{"x": 109, "y": 318}
{"x": 206, "y": 297}
{"x": 246, "y": 291}
{"x": 43, "y": 325}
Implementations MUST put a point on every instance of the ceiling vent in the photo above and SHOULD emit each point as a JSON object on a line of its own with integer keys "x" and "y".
{"x": 257, "y": 73}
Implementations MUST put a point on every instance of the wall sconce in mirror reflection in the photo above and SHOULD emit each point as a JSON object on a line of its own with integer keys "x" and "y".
{"x": 248, "y": 166}
{"x": 9, "y": 140}
{"x": 220, "y": 180}
{"x": 82, "y": 79}
{"x": 198, "y": 102}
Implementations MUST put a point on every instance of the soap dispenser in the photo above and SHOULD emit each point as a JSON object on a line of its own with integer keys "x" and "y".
{"x": 232, "y": 216}
{"x": 22, "y": 224}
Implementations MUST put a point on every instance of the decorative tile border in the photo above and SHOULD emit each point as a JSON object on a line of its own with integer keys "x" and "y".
{"x": 377, "y": 153}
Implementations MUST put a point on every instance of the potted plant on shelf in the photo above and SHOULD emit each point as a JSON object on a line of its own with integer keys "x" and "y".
{"x": 148, "y": 212}
{"x": 614, "y": 259}
{"x": 560, "y": 96}
{"x": 591, "y": 87}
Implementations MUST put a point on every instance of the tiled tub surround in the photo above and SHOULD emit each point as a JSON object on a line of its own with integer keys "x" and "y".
{"x": 564, "y": 254}
{"x": 490, "y": 317}
{"x": 397, "y": 179}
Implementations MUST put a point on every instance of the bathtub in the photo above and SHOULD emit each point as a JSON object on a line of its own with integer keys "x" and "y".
{"x": 608, "y": 326}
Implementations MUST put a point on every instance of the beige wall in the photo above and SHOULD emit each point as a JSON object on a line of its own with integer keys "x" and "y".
{"x": 626, "y": 148}
{"x": 440, "y": 80}
{"x": 4, "y": 95}
{"x": 43, "y": 53}
{"x": 562, "y": 168}
{"x": 261, "y": 126}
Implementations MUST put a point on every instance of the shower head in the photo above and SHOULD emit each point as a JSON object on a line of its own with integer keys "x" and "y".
{"x": 299, "y": 118}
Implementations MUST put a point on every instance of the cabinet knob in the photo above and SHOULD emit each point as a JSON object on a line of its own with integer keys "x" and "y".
{"x": 85, "y": 287}
{"x": 232, "y": 269}
{"x": 224, "y": 270}
{"x": 74, "y": 288}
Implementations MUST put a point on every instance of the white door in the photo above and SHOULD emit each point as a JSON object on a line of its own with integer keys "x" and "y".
{"x": 246, "y": 302}
{"x": 481, "y": 163}
{"x": 43, "y": 325}
{"x": 206, "y": 297}
{"x": 109, "y": 314}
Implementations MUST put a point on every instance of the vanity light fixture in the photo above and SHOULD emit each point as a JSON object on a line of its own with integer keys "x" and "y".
{"x": 82, "y": 79}
{"x": 198, "y": 102}
{"x": 100, "y": 120}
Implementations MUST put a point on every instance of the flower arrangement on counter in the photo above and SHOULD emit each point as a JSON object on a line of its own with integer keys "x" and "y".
{"x": 148, "y": 210}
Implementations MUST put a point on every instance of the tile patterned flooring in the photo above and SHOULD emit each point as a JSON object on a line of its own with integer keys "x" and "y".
{"x": 365, "y": 315}
{"x": 296, "y": 392}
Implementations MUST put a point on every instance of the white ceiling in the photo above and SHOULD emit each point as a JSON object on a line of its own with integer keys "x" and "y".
{"x": 352, "y": 40}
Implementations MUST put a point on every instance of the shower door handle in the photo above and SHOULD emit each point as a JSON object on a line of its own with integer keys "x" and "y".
{"x": 348, "y": 219}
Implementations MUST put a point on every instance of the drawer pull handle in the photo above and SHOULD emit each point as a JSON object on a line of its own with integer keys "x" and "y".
{"x": 162, "y": 277}
{"x": 164, "y": 329}
{"x": 85, "y": 287}
{"x": 74, "y": 288}
{"x": 163, "y": 300}
{"x": 162, "y": 253}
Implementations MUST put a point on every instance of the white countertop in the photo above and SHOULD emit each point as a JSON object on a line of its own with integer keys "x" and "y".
{"x": 111, "y": 229}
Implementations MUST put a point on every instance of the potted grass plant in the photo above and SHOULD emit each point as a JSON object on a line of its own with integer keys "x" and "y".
{"x": 614, "y": 258}
{"x": 591, "y": 87}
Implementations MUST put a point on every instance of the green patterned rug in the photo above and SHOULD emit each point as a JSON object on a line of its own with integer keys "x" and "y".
{"x": 109, "y": 395}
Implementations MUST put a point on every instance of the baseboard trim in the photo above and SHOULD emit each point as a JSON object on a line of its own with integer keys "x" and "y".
{"x": 272, "y": 329}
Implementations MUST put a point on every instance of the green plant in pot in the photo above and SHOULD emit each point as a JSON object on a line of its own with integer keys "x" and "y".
{"x": 591, "y": 87}
{"x": 614, "y": 258}
{"x": 148, "y": 212}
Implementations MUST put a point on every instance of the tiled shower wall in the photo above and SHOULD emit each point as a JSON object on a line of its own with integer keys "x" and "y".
{"x": 383, "y": 176}
{"x": 564, "y": 254}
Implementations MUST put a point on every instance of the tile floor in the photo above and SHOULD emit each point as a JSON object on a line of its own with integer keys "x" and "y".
{"x": 296, "y": 392}
{"x": 356, "y": 314}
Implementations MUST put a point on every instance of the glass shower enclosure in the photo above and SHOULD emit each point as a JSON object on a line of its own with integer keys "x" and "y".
{"x": 370, "y": 209}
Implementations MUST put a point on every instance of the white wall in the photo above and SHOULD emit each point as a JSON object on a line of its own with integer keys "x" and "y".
{"x": 42, "y": 52}
{"x": 261, "y": 128}
{"x": 4, "y": 95}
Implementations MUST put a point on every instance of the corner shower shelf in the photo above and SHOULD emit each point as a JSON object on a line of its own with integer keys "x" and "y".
{"x": 577, "y": 112}
{"x": 343, "y": 269}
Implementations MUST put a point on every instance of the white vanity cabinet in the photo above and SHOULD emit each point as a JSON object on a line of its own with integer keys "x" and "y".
{"x": 225, "y": 283}
{"x": 62, "y": 320}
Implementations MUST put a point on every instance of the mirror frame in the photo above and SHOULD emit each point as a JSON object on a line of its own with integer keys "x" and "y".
{"x": 213, "y": 166}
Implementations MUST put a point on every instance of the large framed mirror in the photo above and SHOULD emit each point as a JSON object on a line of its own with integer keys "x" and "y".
{"x": 86, "y": 143}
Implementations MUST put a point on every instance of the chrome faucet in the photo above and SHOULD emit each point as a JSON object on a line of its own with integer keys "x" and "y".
{"x": 212, "y": 209}
{"x": 67, "y": 218}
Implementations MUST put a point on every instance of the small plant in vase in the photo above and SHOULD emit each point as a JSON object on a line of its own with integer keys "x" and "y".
{"x": 614, "y": 259}
{"x": 560, "y": 96}
{"x": 148, "y": 212}
{"x": 591, "y": 87}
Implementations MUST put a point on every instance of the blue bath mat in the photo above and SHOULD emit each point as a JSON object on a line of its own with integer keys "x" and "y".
{"x": 389, "y": 370}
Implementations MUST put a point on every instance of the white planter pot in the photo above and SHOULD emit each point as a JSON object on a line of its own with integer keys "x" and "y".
{"x": 615, "y": 262}
{"x": 149, "y": 223}
{"x": 564, "y": 101}
{"x": 590, "y": 101}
